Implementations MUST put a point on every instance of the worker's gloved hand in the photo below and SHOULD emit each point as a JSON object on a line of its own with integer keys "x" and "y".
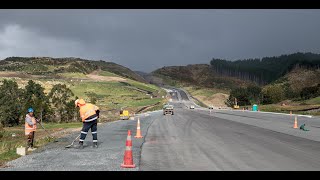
{"x": 98, "y": 112}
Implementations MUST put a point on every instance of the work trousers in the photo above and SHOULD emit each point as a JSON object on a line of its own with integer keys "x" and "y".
{"x": 30, "y": 139}
{"x": 85, "y": 128}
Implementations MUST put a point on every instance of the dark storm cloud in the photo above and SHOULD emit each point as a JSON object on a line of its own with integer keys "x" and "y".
{"x": 148, "y": 39}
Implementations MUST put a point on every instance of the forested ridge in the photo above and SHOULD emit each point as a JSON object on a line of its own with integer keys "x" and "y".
{"x": 267, "y": 69}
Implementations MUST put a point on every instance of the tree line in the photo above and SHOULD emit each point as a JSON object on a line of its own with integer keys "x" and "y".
{"x": 270, "y": 94}
{"x": 265, "y": 70}
{"x": 56, "y": 106}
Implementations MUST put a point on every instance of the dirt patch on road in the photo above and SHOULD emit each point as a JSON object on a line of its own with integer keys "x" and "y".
{"x": 217, "y": 99}
{"x": 105, "y": 78}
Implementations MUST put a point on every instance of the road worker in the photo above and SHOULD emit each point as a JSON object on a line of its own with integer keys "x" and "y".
{"x": 89, "y": 114}
{"x": 30, "y": 128}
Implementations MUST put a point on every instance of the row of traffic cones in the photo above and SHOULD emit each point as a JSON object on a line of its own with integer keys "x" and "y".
{"x": 128, "y": 159}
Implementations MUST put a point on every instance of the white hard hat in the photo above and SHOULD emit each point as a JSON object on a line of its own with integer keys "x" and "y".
{"x": 76, "y": 102}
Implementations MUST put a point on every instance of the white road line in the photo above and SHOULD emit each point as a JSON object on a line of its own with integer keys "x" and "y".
{"x": 309, "y": 116}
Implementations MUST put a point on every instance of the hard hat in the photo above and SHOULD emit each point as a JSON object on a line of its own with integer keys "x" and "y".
{"x": 76, "y": 102}
{"x": 79, "y": 102}
{"x": 30, "y": 110}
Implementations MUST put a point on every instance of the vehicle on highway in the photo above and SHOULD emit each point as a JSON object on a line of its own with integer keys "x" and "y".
{"x": 192, "y": 107}
{"x": 167, "y": 109}
{"x": 124, "y": 115}
{"x": 235, "y": 106}
{"x": 211, "y": 107}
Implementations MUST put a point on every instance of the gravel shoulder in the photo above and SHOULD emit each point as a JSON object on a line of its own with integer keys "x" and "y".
{"x": 108, "y": 157}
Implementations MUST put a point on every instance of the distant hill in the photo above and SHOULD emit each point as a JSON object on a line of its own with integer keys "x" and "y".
{"x": 109, "y": 85}
{"x": 230, "y": 74}
{"x": 52, "y": 66}
{"x": 299, "y": 78}
{"x": 267, "y": 69}
{"x": 287, "y": 77}
{"x": 198, "y": 75}
{"x": 142, "y": 74}
{"x": 149, "y": 78}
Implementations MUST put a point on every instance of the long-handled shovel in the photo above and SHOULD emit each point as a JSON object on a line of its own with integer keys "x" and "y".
{"x": 70, "y": 145}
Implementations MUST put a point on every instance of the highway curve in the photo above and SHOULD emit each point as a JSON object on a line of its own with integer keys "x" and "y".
{"x": 197, "y": 140}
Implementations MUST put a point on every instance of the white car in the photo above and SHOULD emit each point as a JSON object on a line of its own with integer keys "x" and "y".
{"x": 192, "y": 107}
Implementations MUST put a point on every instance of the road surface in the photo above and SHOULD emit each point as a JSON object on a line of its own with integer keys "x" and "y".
{"x": 229, "y": 140}
{"x": 191, "y": 140}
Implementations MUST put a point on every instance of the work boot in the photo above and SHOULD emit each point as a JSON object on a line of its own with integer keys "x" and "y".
{"x": 95, "y": 145}
{"x": 31, "y": 149}
{"x": 80, "y": 146}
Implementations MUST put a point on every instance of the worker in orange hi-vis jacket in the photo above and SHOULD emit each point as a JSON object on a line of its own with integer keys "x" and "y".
{"x": 30, "y": 128}
{"x": 89, "y": 114}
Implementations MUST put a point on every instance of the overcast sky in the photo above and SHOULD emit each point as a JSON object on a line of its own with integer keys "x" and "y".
{"x": 145, "y": 40}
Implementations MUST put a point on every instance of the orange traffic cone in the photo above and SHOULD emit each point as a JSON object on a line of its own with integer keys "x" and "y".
{"x": 295, "y": 126}
{"x": 128, "y": 160}
{"x": 290, "y": 113}
{"x": 138, "y": 135}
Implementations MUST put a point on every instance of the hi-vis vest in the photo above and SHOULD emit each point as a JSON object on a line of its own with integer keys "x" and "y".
{"x": 28, "y": 128}
{"x": 88, "y": 110}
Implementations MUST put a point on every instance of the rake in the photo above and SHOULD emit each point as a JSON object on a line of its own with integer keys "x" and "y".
{"x": 50, "y": 135}
{"x": 70, "y": 145}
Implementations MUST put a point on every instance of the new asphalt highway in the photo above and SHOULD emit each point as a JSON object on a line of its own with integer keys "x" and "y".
{"x": 190, "y": 140}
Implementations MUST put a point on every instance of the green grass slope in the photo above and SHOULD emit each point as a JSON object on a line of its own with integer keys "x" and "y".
{"x": 52, "y": 66}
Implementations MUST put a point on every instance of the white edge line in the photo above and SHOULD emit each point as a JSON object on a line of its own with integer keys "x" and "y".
{"x": 309, "y": 116}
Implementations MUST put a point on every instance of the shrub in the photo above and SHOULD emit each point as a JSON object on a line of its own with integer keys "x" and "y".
{"x": 242, "y": 96}
{"x": 10, "y": 103}
{"x": 310, "y": 92}
{"x": 2, "y": 131}
{"x": 62, "y": 101}
{"x": 273, "y": 94}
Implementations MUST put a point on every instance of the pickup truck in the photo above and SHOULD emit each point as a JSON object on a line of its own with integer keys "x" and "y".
{"x": 167, "y": 109}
